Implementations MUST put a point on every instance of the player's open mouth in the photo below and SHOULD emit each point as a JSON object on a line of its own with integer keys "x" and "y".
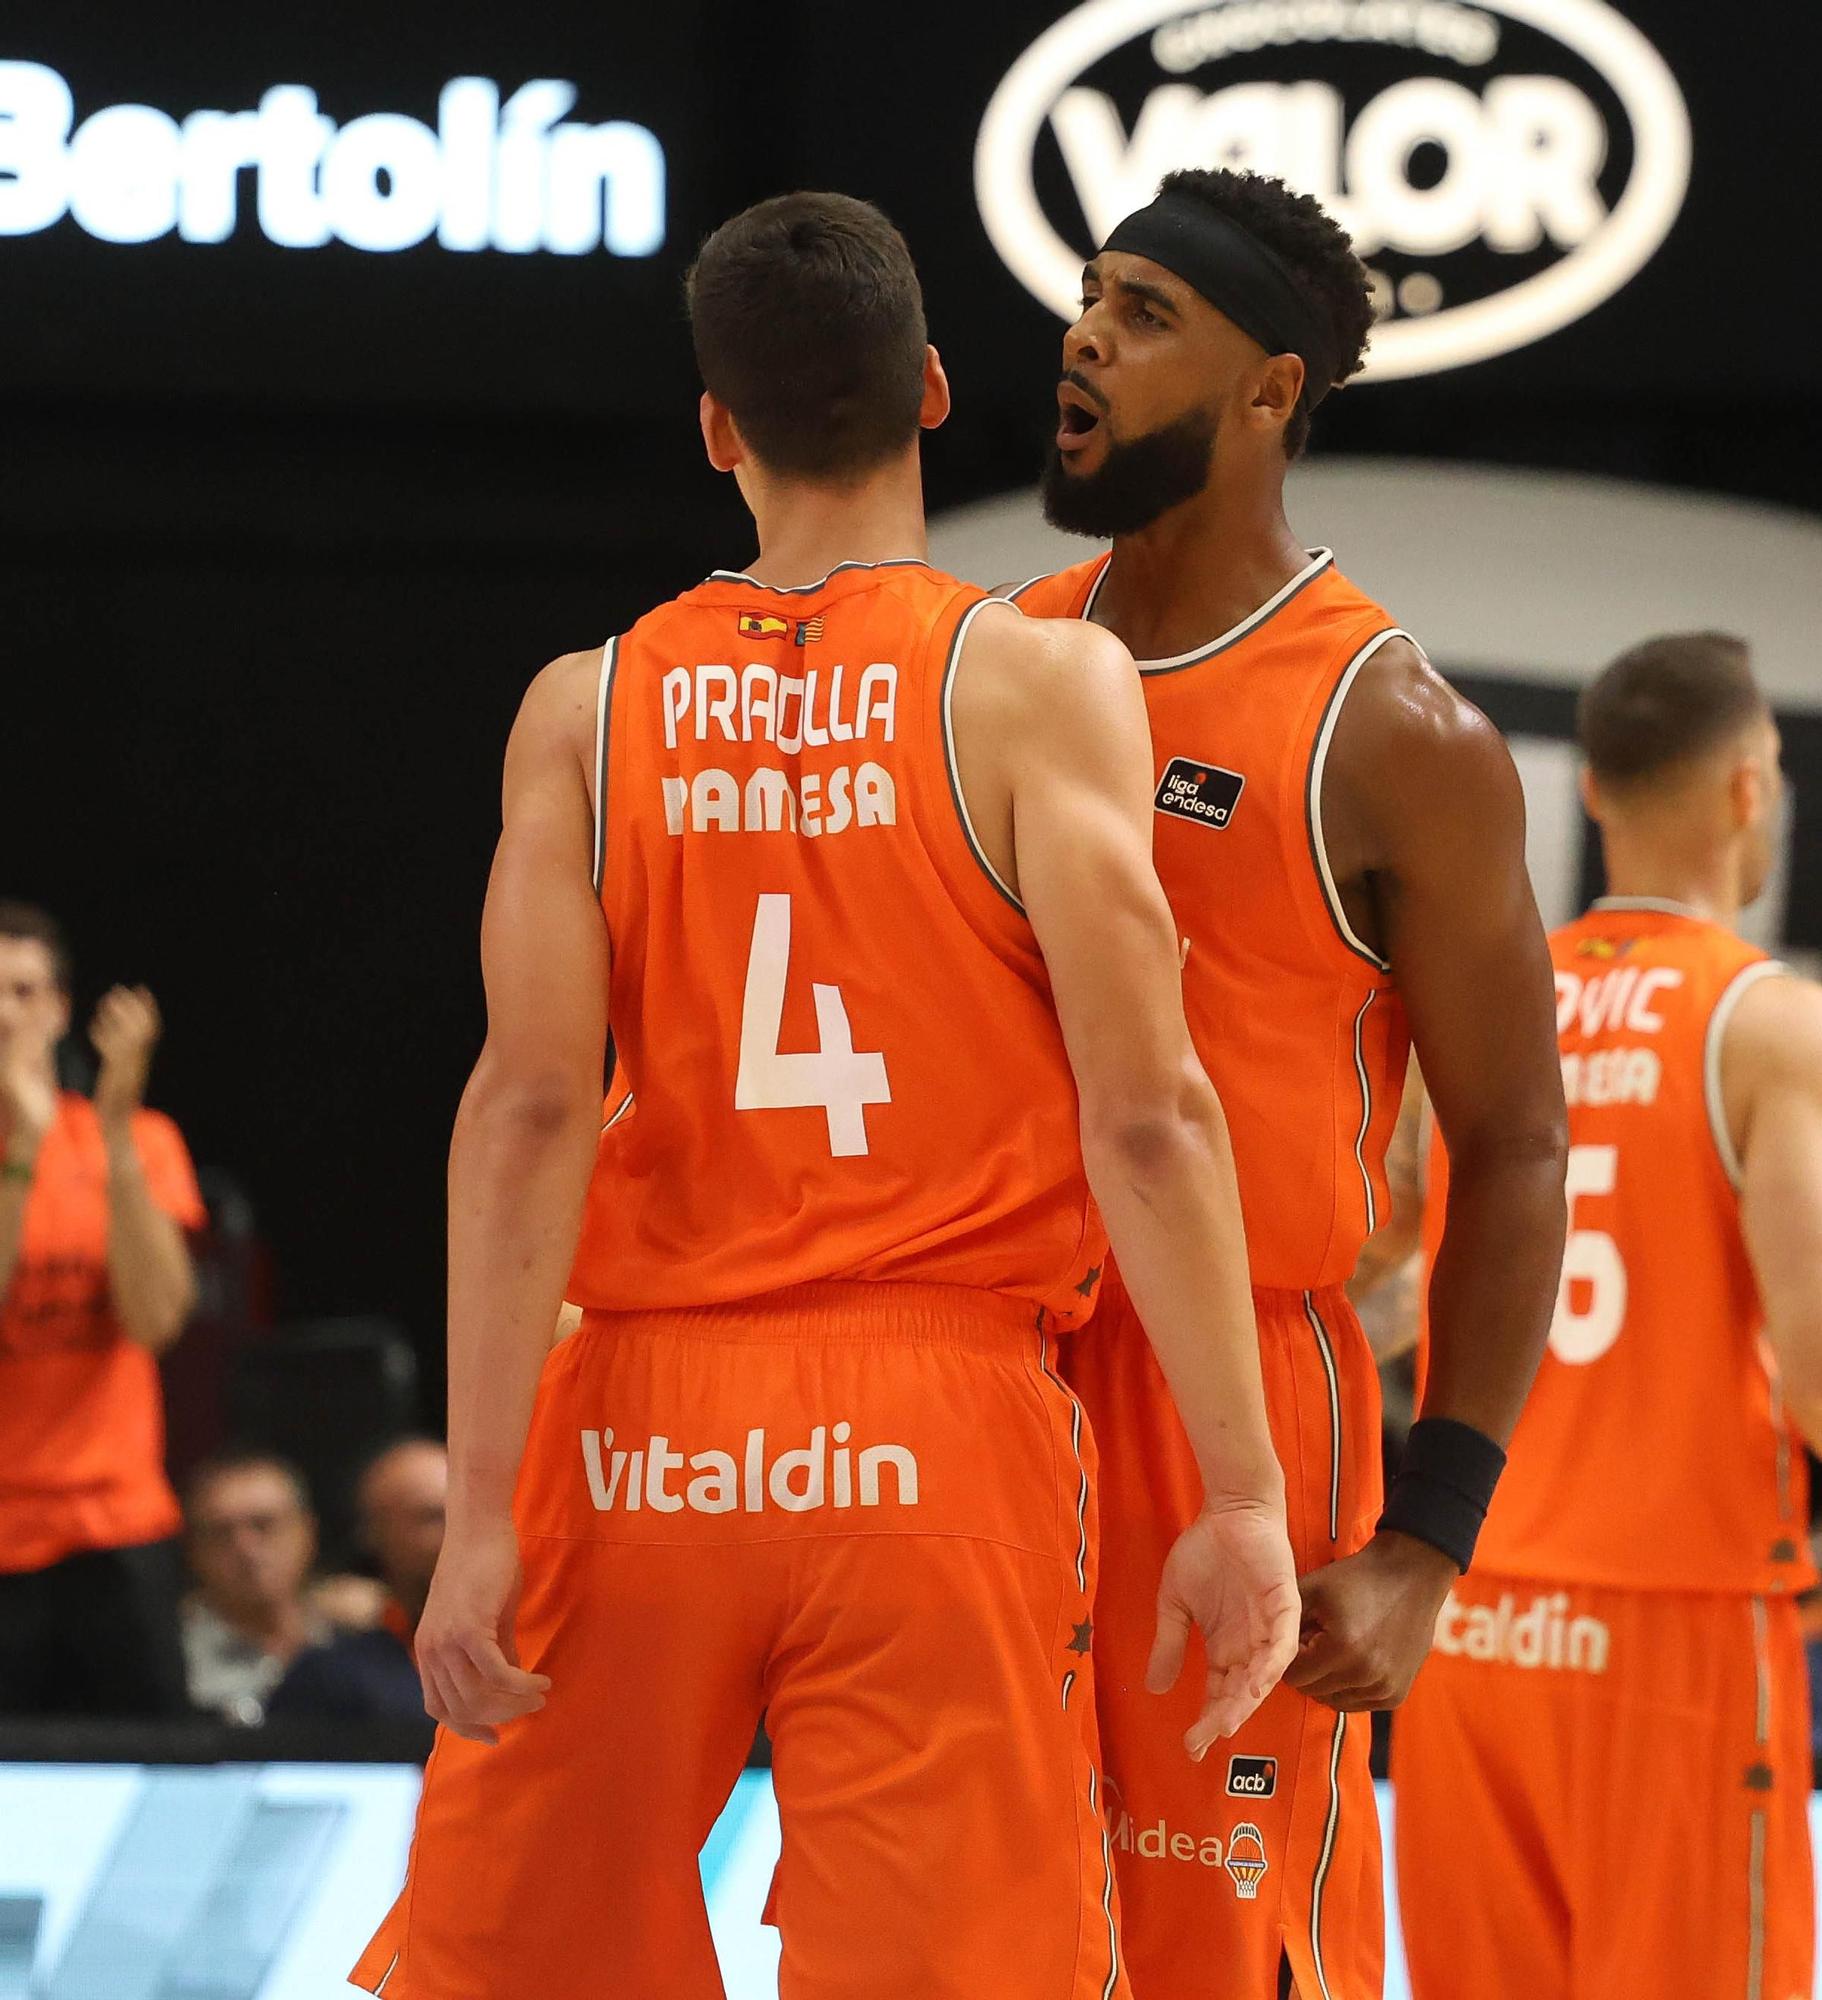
{"x": 1079, "y": 417}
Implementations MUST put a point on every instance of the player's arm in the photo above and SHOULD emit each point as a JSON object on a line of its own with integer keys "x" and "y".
{"x": 1771, "y": 1079}
{"x": 1430, "y": 817}
{"x": 519, "y": 1165}
{"x": 1054, "y": 745}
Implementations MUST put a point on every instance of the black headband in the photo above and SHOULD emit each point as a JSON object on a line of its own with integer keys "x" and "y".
{"x": 1236, "y": 274}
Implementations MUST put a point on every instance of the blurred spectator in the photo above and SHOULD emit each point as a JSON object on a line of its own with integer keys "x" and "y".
{"x": 367, "y": 1676}
{"x": 95, "y": 1283}
{"x": 252, "y": 1540}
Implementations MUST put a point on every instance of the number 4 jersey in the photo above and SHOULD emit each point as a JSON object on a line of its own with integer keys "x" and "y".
{"x": 1652, "y": 1453}
{"x": 833, "y": 1018}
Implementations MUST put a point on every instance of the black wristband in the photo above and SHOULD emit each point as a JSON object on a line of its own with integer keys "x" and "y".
{"x": 1441, "y": 1492}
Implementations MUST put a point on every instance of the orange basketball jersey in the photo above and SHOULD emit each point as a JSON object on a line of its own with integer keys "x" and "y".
{"x": 834, "y": 1020}
{"x": 1652, "y": 1453}
{"x": 1295, "y": 1019}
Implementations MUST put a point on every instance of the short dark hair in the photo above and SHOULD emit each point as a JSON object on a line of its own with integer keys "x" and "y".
{"x": 1664, "y": 702}
{"x": 1311, "y": 245}
{"x": 26, "y": 920}
{"x": 808, "y": 321}
{"x": 248, "y": 1458}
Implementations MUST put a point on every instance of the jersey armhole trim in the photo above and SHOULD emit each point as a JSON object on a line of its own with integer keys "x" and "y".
{"x": 604, "y": 697}
{"x": 1713, "y": 1045}
{"x": 955, "y": 776}
{"x": 1011, "y": 594}
{"x": 1319, "y": 758}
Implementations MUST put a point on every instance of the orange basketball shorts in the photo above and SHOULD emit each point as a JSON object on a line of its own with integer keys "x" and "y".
{"x": 1603, "y": 1795}
{"x": 863, "y": 1513}
{"x": 1267, "y": 1853}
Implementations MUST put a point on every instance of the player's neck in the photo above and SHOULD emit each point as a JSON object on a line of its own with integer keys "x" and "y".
{"x": 806, "y": 531}
{"x": 1707, "y": 884}
{"x": 1198, "y": 571}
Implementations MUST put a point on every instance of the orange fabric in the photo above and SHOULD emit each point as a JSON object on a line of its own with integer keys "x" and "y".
{"x": 1603, "y": 1795}
{"x": 837, "y": 1028}
{"x": 711, "y": 1534}
{"x": 1304, "y": 1038}
{"x": 81, "y": 1411}
{"x": 1293, "y": 1787}
{"x": 1651, "y": 1453}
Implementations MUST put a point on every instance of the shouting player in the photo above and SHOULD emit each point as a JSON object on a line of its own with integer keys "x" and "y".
{"x": 855, "y": 861}
{"x": 1341, "y": 838}
{"x": 1603, "y": 1774}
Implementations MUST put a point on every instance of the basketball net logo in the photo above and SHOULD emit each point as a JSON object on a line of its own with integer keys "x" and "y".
{"x": 1246, "y": 1861}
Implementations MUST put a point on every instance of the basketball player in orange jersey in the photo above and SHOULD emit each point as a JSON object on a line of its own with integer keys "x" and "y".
{"x": 1602, "y": 1775}
{"x": 1341, "y": 840}
{"x": 856, "y": 862}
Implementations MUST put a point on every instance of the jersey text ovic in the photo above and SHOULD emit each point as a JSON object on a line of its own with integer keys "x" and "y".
{"x": 794, "y": 713}
{"x": 798, "y": 1481}
{"x": 1623, "y": 1001}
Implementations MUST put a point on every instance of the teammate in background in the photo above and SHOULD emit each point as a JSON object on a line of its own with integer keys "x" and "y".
{"x": 1341, "y": 840}
{"x": 873, "y": 856}
{"x": 1603, "y": 1774}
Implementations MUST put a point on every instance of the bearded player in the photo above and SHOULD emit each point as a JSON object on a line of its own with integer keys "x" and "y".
{"x": 1603, "y": 1774}
{"x": 1342, "y": 841}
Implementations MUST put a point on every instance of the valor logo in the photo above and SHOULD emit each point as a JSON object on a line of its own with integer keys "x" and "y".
{"x": 1202, "y": 792}
{"x": 1503, "y": 167}
{"x": 1252, "y": 1777}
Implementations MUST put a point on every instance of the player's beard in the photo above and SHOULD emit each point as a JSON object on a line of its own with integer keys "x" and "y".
{"x": 1137, "y": 481}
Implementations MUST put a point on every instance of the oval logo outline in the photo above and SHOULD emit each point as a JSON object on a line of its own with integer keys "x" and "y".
{"x": 1589, "y": 274}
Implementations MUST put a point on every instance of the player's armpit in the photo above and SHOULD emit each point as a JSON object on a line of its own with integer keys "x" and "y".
{"x": 1424, "y": 808}
{"x": 1771, "y": 1077}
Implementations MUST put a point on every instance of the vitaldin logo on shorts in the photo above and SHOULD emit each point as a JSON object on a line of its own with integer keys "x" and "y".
{"x": 1542, "y": 1635}
{"x": 797, "y": 1481}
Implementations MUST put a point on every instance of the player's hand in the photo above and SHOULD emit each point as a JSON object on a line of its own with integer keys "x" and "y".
{"x": 1368, "y": 1622}
{"x": 125, "y": 1031}
{"x": 466, "y": 1655}
{"x": 1230, "y": 1575}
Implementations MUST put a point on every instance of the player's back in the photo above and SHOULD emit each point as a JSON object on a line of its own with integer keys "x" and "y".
{"x": 1652, "y": 1453}
{"x": 835, "y": 1024}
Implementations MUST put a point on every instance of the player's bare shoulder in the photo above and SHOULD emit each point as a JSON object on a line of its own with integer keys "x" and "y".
{"x": 1773, "y": 1043}
{"x": 1410, "y": 756}
{"x": 1026, "y": 674}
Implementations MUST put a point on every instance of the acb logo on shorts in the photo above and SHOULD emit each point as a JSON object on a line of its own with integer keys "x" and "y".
{"x": 1252, "y": 1777}
{"x": 1202, "y": 792}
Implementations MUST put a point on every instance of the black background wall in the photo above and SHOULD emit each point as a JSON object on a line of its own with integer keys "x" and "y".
{"x": 284, "y": 533}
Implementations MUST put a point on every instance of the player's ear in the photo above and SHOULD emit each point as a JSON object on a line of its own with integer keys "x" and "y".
{"x": 719, "y": 437}
{"x": 1279, "y": 385}
{"x": 935, "y": 407}
{"x": 1591, "y": 798}
{"x": 1746, "y": 792}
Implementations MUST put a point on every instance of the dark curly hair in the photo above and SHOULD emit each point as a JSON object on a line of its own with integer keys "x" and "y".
{"x": 1312, "y": 247}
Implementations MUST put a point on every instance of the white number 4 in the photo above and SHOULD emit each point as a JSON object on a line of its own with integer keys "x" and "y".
{"x": 1591, "y": 1256}
{"x": 834, "y": 1077}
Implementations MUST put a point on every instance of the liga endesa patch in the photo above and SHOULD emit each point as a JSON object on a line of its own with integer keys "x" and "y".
{"x": 1190, "y": 789}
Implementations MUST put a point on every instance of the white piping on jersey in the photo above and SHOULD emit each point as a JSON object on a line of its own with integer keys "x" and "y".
{"x": 1712, "y": 1044}
{"x": 386, "y": 1975}
{"x": 1328, "y": 1854}
{"x": 1113, "y": 1934}
{"x": 955, "y": 771}
{"x": 1319, "y": 560}
{"x": 604, "y": 692}
{"x": 1018, "y": 590}
{"x": 1068, "y": 1683}
{"x": 1328, "y": 1363}
{"x": 1366, "y": 1110}
{"x": 1662, "y": 906}
{"x": 809, "y": 589}
{"x": 618, "y": 1115}
{"x": 1313, "y": 804}
{"x": 1755, "y": 1907}
{"x": 1761, "y": 1667}
{"x": 1075, "y": 1443}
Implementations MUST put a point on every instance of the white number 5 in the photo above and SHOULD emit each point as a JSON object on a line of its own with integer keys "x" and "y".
{"x": 1593, "y": 1257}
{"x": 835, "y": 1077}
